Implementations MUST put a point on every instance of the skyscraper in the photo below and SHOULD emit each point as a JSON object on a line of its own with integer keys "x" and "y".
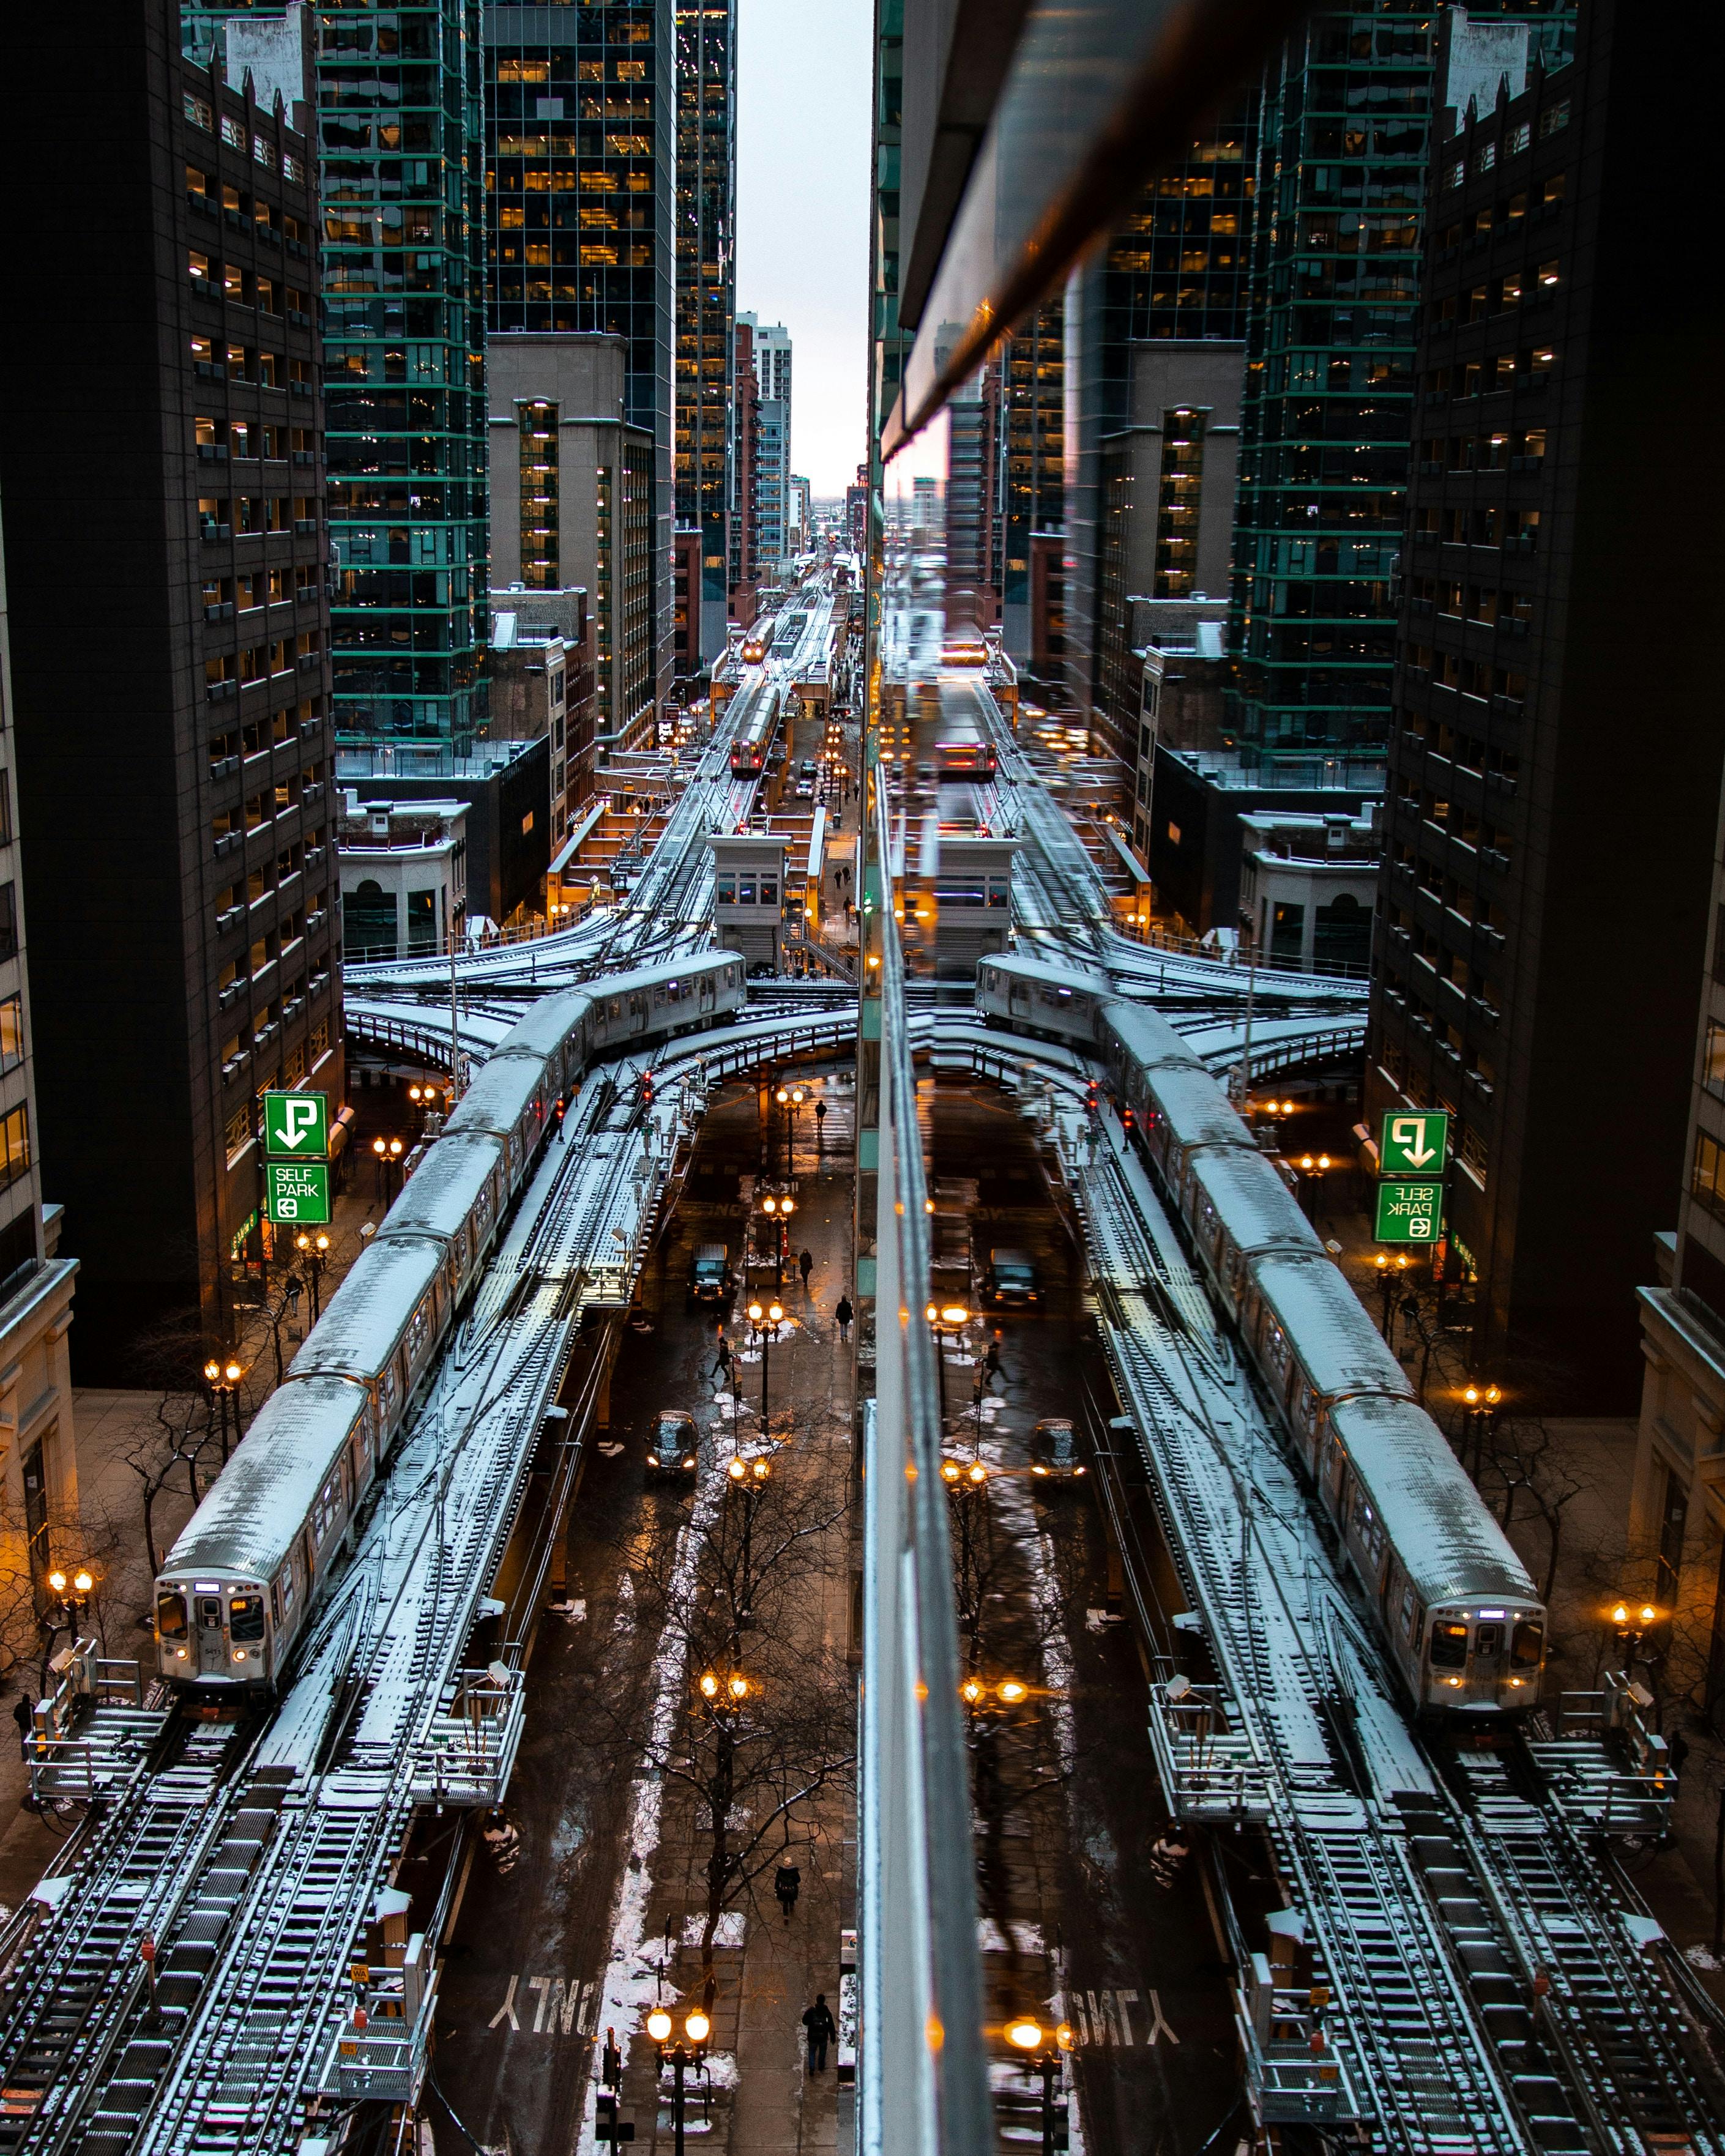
{"x": 1544, "y": 904}
{"x": 398, "y": 95}
{"x": 707, "y": 307}
{"x": 1033, "y": 495}
{"x": 772, "y": 369}
{"x": 580, "y": 161}
{"x": 1155, "y": 331}
{"x": 1347, "y": 115}
{"x": 745, "y": 570}
{"x": 196, "y": 925}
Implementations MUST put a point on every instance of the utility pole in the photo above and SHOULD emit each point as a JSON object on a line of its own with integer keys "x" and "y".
{"x": 1245, "y": 1053}
{"x": 454, "y": 1020}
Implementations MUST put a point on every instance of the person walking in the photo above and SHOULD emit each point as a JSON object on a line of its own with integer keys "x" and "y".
{"x": 805, "y": 1265}
{"x": 787, "y": 1884}
{"x": 817, "y": 2020}
{"x": 24, "y": 1715}
{"x": 991, "y": 1361}
{"x": 722, "y": 1358}
{"x": 844, "y": 1313}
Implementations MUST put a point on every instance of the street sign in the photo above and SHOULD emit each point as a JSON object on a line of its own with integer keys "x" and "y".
{"x": 1410, "y": 1212}
{"x": 297, "y": 1192}
{"x": 1417, "y": 1144}
{"x": 296, "y": 1125}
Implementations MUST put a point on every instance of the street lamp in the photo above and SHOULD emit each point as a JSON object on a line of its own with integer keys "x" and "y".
{"x": 680, "y": 2057}
{"x": 764, "y": 1324}
{"x": 750, "y": 1478}
{"x": 223, "y": 1379}
{"x": 1027, "y": 2036}
{"x": 945, "y": 1320}
{"x": 73, "y": 1592}
{"x": 314, "y": 1250}
{"x": 1479, "y": 1412}
{"x": 778, "y": 1206}
{"x": 1629, "y": 1624}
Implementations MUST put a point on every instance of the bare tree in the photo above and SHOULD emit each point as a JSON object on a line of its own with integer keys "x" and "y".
{"x": 767, "y": 1722}
{"x": 180, "y": 1436}
{"x": 1523, "y": 1459}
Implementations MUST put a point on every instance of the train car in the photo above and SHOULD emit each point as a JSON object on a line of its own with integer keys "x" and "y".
{"x": 458, "y": 1194}
{"x": 1052, "y": 1003}
{"x": 1182, "y": 1113}
{"x": 234, "y": 1590}
{"x": 754, "y": 648}
{"x": 512, "y": 1100}
{"x": 1457, "y": 1611}
{"x": 1136, "y": 1041}
{"x": 1242, "y": 1209}
{"x": 1313, "y": 1343}
{"x": 755, "y": 735}
{"x": 555, "y": 1030}
{"x": 382, "y": 1325}
{"x": 659, "y": 1002}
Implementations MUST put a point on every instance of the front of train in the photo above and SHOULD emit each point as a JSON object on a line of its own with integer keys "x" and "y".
{"x": 212, "y": 1633}
{"x": 1484, "y": 1659}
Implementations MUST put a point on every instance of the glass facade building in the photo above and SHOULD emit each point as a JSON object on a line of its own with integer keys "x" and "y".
{"x": 706, "y": 303}
{"x": 399, "y": 115}
{"x": 580, "y": 163}
{"x": 1347, "y": 113}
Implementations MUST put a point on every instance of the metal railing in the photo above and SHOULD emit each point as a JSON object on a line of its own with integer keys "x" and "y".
{"x": 923, "y": 2068}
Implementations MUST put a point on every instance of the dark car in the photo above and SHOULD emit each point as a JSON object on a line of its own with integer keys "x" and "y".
{"x": 709, "y": 1274}
{"x": 1054, "y": 1450}
{"x": 1010, "y": 1282}
{"x": 673, "y": 1445}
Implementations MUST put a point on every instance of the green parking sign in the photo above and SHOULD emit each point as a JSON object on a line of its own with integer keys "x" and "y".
{"x": 296, "y": 1193}
{"x": 296, "y": 1125}
{"x": 1410, "y": 1212}
{"x": 1415, "y": 1142}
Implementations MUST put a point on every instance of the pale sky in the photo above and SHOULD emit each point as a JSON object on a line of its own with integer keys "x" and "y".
{"x": 803, "y": 72}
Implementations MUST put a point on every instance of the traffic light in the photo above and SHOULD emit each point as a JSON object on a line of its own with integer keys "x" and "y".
{"x": 1092, "y": 1098}
{"x": 647, "y": 1088}
{"x": 1128, "y": 1122}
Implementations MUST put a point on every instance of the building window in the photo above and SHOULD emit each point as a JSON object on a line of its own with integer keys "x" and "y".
{"x": 14, "y": 1144}
{"x": 1176, "y": 502}
{"x": 198, "y": 112}
{"x": 538, "y": 471}
{"x": 1554, "y": 117}
{"x": 1712, "y": 1063}
{"x": 1708, "y": 1179}
{"x": 8, "y": 921}
{"x": 11, "y": 1033}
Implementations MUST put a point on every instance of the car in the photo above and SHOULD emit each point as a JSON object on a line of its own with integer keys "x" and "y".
{"x": 673, "y": 1445}
{"x": 805, "y": 789}
{"x": 807, "y": 768}
{"x": 709, "y": 1274}
{"x": 1010, "y": 1282}
{"x": 1054, "y": 1450}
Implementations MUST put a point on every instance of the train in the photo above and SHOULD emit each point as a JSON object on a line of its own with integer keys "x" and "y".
{"x": 235, "y": 1591}
{"x": 1453, "y": 1605}
{"x": 753, "y": 744}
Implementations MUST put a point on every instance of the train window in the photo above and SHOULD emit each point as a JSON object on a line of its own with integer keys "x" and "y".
{"x": 245, "y": 1617}
{"x": 1526, "y": 1645}
{"x": 1488, "y": 1639}
{"x": 290, "y": 1587}
{"x": 416, "y": 1332}
{"x": 1275, "y": 1349}
{"x": 726, "y": 893}
{"x": 171, "y": 1621}
{"x": 1448, "y": 1646}
{"x": 1410, "y": 1610}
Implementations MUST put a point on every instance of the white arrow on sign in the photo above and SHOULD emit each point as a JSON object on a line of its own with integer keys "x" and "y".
{"x": 299, "y": 1120}
{"x": 1408, "y": 1132}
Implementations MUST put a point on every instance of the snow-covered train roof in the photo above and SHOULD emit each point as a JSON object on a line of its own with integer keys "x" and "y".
{"x": 1147, "y": 1037}
{"x": 263, "y": 1497}
{"x": 1196, "y": 1109}
{"x": 1453, "y": 1550}
{"x": 1339, "y": 1346}
{"x": 1070, "y": 978}
{"x": 547, "y": 1025}
{"x": 1255, "y": 1205}
{"x": 440, "y": 1196}
{"x": 498, "y": 1096}
{"x": 363, "y": 1321}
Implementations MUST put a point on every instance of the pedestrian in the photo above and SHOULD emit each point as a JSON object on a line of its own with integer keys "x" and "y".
{"x": 991, "y": 1361}
{"x": 722, "y": 1358}
{"x": 24, "y": 1715}
{"x": 805, "y": 1265}
{"x": 817, "y": 2020}
{"x": 787, "y": 1884}
{"x": 844, "y": 1313}
{"x": 504, "y": 1842}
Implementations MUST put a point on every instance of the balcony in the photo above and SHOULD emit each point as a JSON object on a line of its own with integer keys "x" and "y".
{"x": 210, "y": 370}
{"x": 214, "y": 691}
{"x": 305, "y": 527}
{"x": 300, "y": 389}
{"x": 223, "y": 766}
{"x": 210, "y": 531}
{"x": 307, "y": 457}
{"x": 308, "y": 661}
{"x": 235, "y": 1063}
{"x": 314, "y": 857}
{"x": 211, "y": 453}
{"x": 291, "y": 1008}
{"x": 200, "y": 204}
{"x": 308, "y": 727}
{"x": 222, "y": 611}
{"x": 298, "y": 319}
{"x": 315, "y": 919}
{"x": 231, "y": 918}
{"x": 265, "y": 1034}
{"x": 1494, "y": 859}
{"x": 298, "y": 248}
{"x": 227, "y": 997}
{"x": 312, "y": 792}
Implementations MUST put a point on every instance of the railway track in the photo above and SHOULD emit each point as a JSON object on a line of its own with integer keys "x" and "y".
{"x": 1489, "y": 1988}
